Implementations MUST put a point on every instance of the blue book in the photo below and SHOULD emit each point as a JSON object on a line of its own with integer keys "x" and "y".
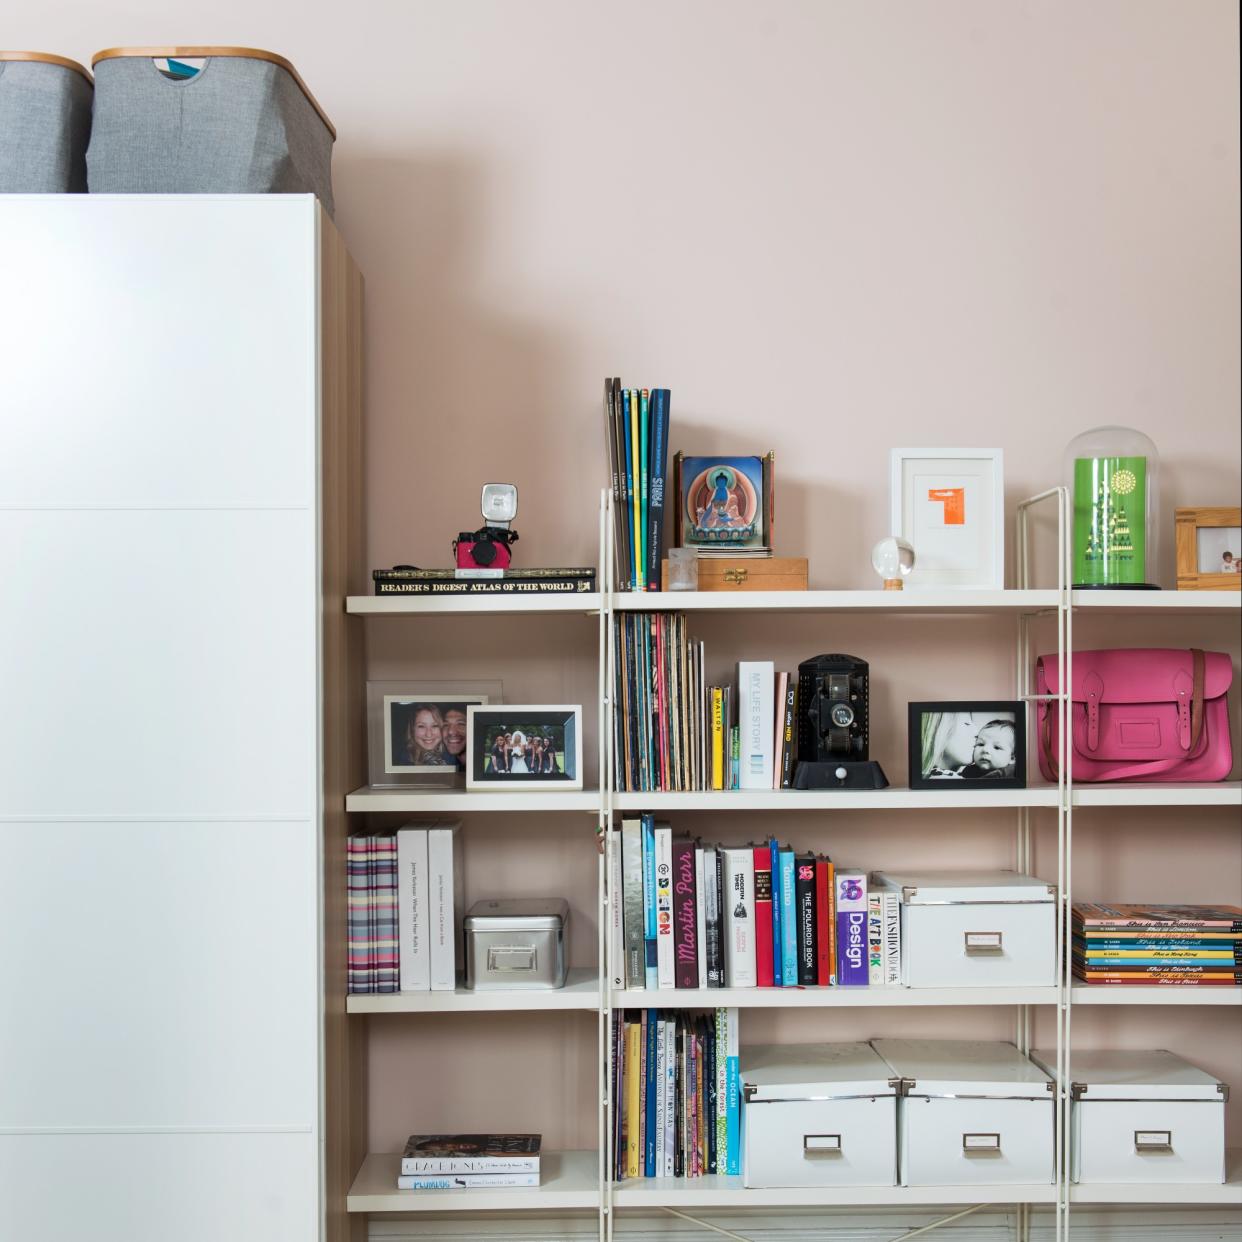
{"x": 789, "y": 922}
{"x": 652, "y": 1088}
{"x": 733, "y": 1114}
{"x": 778, "y": 952}
{"x": 655, "y": 488}
{"x": 627, "y": 512}
{"x": 644, "y": 485}
{"x": 649, "y": 901}
{"x": 1161, "y": 943}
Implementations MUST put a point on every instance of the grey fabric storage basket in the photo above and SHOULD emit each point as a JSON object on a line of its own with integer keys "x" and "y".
{"x": 244, "y": 124}
{"x": 45, "y": 122}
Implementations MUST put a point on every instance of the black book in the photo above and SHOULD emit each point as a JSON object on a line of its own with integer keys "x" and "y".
{"x": 804, "y": 912}
{"x": 788, "y": 734}
{"x": 712, "y": 943}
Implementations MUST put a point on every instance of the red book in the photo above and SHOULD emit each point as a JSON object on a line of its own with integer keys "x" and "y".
{"x": 825, "y": 941}
{"x": 685, "y": 917}
{"x": 763, "y": 916}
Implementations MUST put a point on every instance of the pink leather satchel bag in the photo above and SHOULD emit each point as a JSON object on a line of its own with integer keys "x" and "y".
{"x": 1141, "y": 714}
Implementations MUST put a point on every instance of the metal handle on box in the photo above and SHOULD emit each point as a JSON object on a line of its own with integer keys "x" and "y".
{"x": 981, "y": 1145}
{"x": 984, "y": 944}
{"x": 821, "y": 1145}
{"x": 1153, "y": 1140}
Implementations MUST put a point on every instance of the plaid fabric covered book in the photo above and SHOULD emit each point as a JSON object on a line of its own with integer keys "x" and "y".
{"x": 384, "y": 914}
{"x": 357, "y": 865}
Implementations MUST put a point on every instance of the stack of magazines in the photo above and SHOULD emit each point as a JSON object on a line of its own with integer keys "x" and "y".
{"x": 1145, "y": 945}
{"x": 469, "y": 1161}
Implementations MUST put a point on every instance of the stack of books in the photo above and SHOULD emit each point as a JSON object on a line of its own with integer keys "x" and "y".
{"x": 675, "y": 1080}
{"x": 672, "y": 732}
{"x": 469, "y": 1161}
{"x": 707, "y": 916}
{"x": 636, "y": 424}
{"x": 405, "y": 905}
{"x": 1160, "y": 944}
{"x": 577, "y": 580}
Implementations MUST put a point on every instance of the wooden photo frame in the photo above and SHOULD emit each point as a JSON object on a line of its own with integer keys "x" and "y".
{"x": 1208, "y": 538}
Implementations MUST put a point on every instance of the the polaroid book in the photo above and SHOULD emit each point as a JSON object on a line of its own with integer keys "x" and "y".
{"x": 470, "y": 1153}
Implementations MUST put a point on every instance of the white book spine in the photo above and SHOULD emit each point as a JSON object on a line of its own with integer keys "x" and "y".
{"x": 465, "y": 1181}
{"x": 413, "y": 923}
{"x": 616, "y": 912}
{"x": 444, "y": 900}
{"x": 670, "y": 1095}
{"x": 875, "y": 941}
{"x": 892, "y": 939}
{"x": 665, "y": 973}
{"x": 700, "y": 915}
{"x": 456, "y": 1166}
{"x": 739, "y": 915}
{"x": 655, "y": 1084}
{"x": 755, "y": 710}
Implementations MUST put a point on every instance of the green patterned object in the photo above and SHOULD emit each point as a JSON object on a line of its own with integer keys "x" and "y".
{"x": 1110, "y": 521}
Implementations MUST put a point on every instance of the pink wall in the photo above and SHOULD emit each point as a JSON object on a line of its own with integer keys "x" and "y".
{"x": 830, "y": 229}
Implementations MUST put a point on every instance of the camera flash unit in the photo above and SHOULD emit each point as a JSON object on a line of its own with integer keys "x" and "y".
{"x": 499, "y": 504}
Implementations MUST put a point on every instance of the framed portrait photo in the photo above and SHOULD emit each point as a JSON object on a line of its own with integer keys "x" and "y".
{"x": 1209, "y": 548}
{"x": 417, "y": 731}
{"x": 950, "y": 505}
{"x": 971, "y": 744}
{"x": 524, "y": 747}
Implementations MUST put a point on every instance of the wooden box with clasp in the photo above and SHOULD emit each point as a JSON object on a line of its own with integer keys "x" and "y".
{"x": 758, "y": 573}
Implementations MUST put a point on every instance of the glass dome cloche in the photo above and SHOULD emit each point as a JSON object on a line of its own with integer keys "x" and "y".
{"x": 1113, "y": 477}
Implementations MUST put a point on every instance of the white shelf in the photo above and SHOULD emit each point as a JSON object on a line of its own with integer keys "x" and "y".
{"x": 581, "y": 991}
{"x": 713, "y": 1192}
{"x": 1228, "y": 1195}
{"x": 587, "y": 603}
{"x": 1208, "y": 793}
{"x": 570, "y": 1180}
{"x": 460, "y": 801}
{"x": 826, "y": 998}
{"x": 1158, "y": 603}
{"x": 1156, "y": 994}
{"x": 901, "y": 602}
{"x": 891, "y": 799}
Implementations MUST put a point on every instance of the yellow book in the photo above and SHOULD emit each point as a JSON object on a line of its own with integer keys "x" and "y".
{"x": 636, "y": 507}
{"x": 633, "y": 1069}
{"x": 717, "y": 738}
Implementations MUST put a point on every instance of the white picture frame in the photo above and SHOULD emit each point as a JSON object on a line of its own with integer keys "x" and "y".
{"x": 949, "y": 504}
{"x": 557, "y": 723}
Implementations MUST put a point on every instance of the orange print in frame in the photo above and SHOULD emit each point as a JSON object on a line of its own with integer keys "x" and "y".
{"x": 954, "y": 501}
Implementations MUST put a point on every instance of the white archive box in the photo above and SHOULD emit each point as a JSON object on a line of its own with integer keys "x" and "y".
{"x": 974, "y": 928}
{"x": 817, "y": 1115}
{"x": 972, "y": 1113}
{"x": 1143, "y": 1117}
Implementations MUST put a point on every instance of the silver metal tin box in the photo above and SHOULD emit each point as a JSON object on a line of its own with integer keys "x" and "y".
{"x": 517, "y": 944}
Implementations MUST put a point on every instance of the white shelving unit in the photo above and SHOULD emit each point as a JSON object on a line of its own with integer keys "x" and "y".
{"x": 577, "y": 1179}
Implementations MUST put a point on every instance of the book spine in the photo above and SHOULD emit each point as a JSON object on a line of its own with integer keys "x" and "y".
{"x": 632, "y": 901}
{"x": 722, "y": 1089}
{"x": 712, "y": 943}
{"x": 466, "y": 1181}
{"x": 718, "y": 770}
{"x": 733, "y": 1102}
{"x": 892, "y": 939}
{"x": 778, "y": 726}
{"x": 666, "y": 976}
{"x": 661, "y": 399}
{"x": 789, "y": 921}
{"x": 616, "y": 912}
{"x": 787, "y": 741}
{"x": 851, "y": 897}
{"x": 644, "y": 457}
{"x": 764, "y": 917}
{"x": 823, "y": 925}
{"x": 442, "y": 1166}
{"x": 875, "y": 940}
{"x": 655, "y": 1086}
{"x": 650, "y": 918}
{"x": 359, "y": 902}
{"x": 570, "y": 584}
{"x": 778, "y": 951}
{"x": 444, "y": 888}
{"x": 651, "y": 1091}
{"x": 387, "y": 916}
{"x": 633, "y": 1099}
{"x": 735, "y": 757}
{"x": 804, "y": 894}
{"x": 700, "y": 912}
{"x": 740, "y": 915}
{"x": 621, "y": 496}
{"x": 635, "y": 514}
{"x": 755, "y": 681}
{"x": 685, "y": 917}
{"x": 413, "y": 923}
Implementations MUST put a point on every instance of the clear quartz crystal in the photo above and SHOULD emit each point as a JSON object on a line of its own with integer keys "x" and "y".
{"x": 892, "y": 559}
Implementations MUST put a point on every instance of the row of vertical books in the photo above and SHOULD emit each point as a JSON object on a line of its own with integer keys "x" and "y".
{"x": 675, "y": 1083}
{"x": 636, "y": 425}
{"x": 689, "y": 915}
{"x": 404, "y": 908}
{"x": 672, "y": 732}
{"x": 1157, "y": 944}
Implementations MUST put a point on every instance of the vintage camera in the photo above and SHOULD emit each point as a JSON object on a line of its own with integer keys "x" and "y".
{"x": 833, "y": 713}
{"x": 488, "y": 547}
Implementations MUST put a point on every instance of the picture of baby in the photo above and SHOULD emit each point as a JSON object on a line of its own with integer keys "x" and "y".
{"x": 1218, "y": 549}
{"x": 969, "y": 745}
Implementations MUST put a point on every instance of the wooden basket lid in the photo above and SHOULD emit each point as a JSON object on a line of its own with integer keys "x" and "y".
{"x": 50, "y": 58}
{"x": 243, "y": 53}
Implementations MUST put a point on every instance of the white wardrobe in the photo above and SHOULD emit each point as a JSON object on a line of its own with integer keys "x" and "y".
{"x": 179, "y": 717}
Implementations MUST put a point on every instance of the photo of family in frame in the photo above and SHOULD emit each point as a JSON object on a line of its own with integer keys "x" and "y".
{"x": 531, "y": 747}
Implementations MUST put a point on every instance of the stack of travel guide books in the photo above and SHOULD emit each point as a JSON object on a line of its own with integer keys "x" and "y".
{"x": 469, "y": 1161}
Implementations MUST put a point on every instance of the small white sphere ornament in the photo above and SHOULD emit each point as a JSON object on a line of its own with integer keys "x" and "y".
{"x": 892, "y": 559}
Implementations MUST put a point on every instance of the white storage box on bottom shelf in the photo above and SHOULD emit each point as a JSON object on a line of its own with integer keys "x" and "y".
{"x": 817, "y": 1115}
{"x": 1143, "y": 1117}
{"x": 972, "y": 1113}
{"x": 974, "y": 928}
